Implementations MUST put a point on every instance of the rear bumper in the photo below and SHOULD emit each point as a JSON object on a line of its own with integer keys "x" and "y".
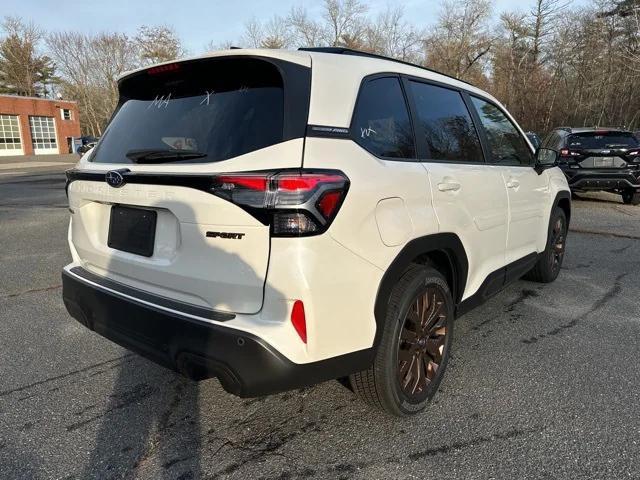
{"x": 245, "y": 364}
{"x": 598, "y": 179}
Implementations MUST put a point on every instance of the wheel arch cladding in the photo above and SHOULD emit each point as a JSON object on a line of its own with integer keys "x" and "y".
{"x": 444, "y": 251}
{"x": 563, "y": 200}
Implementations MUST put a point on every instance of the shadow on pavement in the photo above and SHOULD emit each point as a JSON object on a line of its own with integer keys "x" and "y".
{"x": 151, "y": 425}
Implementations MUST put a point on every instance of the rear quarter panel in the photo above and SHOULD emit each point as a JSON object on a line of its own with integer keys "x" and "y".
{"x": 372, "y": 181}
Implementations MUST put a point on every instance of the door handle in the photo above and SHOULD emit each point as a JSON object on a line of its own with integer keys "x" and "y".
{"x": 513, "y": 183}
{"x": 449, "y": 186}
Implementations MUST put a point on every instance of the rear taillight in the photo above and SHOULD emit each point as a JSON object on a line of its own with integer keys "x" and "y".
{"x": 297, "y": 203}
{"x": 566, "y": 153}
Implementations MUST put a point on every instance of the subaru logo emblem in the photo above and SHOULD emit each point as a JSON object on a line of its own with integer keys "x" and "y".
{"x": 114, "y": 179}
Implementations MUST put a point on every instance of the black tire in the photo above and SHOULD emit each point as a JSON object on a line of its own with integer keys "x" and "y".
{"x": 407, "y": 343}
{"x": 549, "y": 263}
{"x": 631, "y": 197}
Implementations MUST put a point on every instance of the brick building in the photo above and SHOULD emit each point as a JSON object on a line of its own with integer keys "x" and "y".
{"x": 40, "y": 126}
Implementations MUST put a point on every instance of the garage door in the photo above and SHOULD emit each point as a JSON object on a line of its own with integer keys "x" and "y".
{"x": 10, "y": 136}
{"x": 43, "y": 134}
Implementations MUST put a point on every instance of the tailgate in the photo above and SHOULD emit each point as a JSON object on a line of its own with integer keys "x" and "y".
{"x": 142, "y": 210}
{"x": 205, "y": 251}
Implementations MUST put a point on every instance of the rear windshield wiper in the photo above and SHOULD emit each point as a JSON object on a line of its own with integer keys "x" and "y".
{"x": 161, "y": 156}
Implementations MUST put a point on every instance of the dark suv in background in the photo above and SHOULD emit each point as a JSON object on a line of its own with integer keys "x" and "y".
{"x": 595, "y": 158}
{"x": 534, "y": 139}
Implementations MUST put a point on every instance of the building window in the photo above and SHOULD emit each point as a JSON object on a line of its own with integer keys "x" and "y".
{"x": 66, "y": 114}
{"x": 43, "y": 133}
{"x": 9, "y": 133}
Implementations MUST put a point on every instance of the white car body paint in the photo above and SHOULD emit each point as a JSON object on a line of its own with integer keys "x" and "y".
{"x": 499, "y": 213}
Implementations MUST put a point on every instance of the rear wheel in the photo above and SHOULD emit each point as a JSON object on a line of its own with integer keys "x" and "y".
{"x": 631, "y": 197}
{"x": 548, "y": 266}
{"x": 414, "y": 347}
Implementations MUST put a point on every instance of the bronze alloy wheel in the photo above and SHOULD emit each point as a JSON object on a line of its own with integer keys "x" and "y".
{"x": 422, "y": 342}
{"x": 558, "y": 236}
{"x": 414, "y": 347}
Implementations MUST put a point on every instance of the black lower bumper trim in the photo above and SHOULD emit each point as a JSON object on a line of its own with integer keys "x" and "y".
{"x": 245, "y": 365}
{"x": 155, "y": 299}
{"x": 602, "y": 180}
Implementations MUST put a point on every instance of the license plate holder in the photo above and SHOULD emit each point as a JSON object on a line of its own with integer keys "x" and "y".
{"x": 604, "y": 162}
{"x": 132, "y": 230}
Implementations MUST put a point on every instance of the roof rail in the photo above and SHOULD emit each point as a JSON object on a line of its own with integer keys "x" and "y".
{"x": 360, "y": 53}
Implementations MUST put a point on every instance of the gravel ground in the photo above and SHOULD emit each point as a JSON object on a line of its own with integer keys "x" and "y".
{"x": 543, "y": 382}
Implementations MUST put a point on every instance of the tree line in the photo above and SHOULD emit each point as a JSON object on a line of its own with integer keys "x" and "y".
{"x": 79, "y": 66}
{"x": 556, "y": 64}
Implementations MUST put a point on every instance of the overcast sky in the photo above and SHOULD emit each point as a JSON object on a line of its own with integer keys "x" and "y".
{"x": 197, "y": 21}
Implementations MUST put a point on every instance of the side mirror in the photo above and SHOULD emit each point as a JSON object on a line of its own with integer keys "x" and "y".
{"x": 545, "y": 158}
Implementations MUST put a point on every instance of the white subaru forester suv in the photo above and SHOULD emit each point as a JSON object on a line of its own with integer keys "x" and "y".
{"x": 280, "y": 218}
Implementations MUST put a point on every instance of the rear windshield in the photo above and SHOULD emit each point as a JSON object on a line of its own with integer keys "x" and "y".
{"x": 595, "y": 140}
{"x": 202, "y": 111}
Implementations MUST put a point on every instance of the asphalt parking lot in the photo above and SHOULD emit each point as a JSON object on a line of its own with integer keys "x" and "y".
{"x": 543, "y": 383}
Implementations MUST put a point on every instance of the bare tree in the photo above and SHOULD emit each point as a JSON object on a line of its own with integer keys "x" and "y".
{"x": 277, "y": 33}
{"x": 544, "y": 15}
{"x": 253, "y": 34}
{"x": 461, "y": 40}
{"x": 274, "y": 33}
{"x": 307, "y": 32}
{"x": 345, "y": 20}
{"x": 622, "y": 8}
{"x": 158, "y": 44}
{"x": 393, "y": 36}
{"x": 555, "y": 64}
{"x": 89, "y": 67}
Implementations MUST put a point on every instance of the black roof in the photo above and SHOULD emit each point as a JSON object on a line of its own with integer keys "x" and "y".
{"x": 360, "y": 53}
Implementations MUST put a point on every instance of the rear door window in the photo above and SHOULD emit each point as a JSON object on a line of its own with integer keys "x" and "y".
{"x": 204, "y": 111}
{"x": 506, "y": 144}
{"x": 381, "y": 122}
{"x": 445, "y": 124}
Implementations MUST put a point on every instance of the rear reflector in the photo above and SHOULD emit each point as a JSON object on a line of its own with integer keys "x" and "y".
{"x": 329, "y": 203}
{"x": 298, "y": 320}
